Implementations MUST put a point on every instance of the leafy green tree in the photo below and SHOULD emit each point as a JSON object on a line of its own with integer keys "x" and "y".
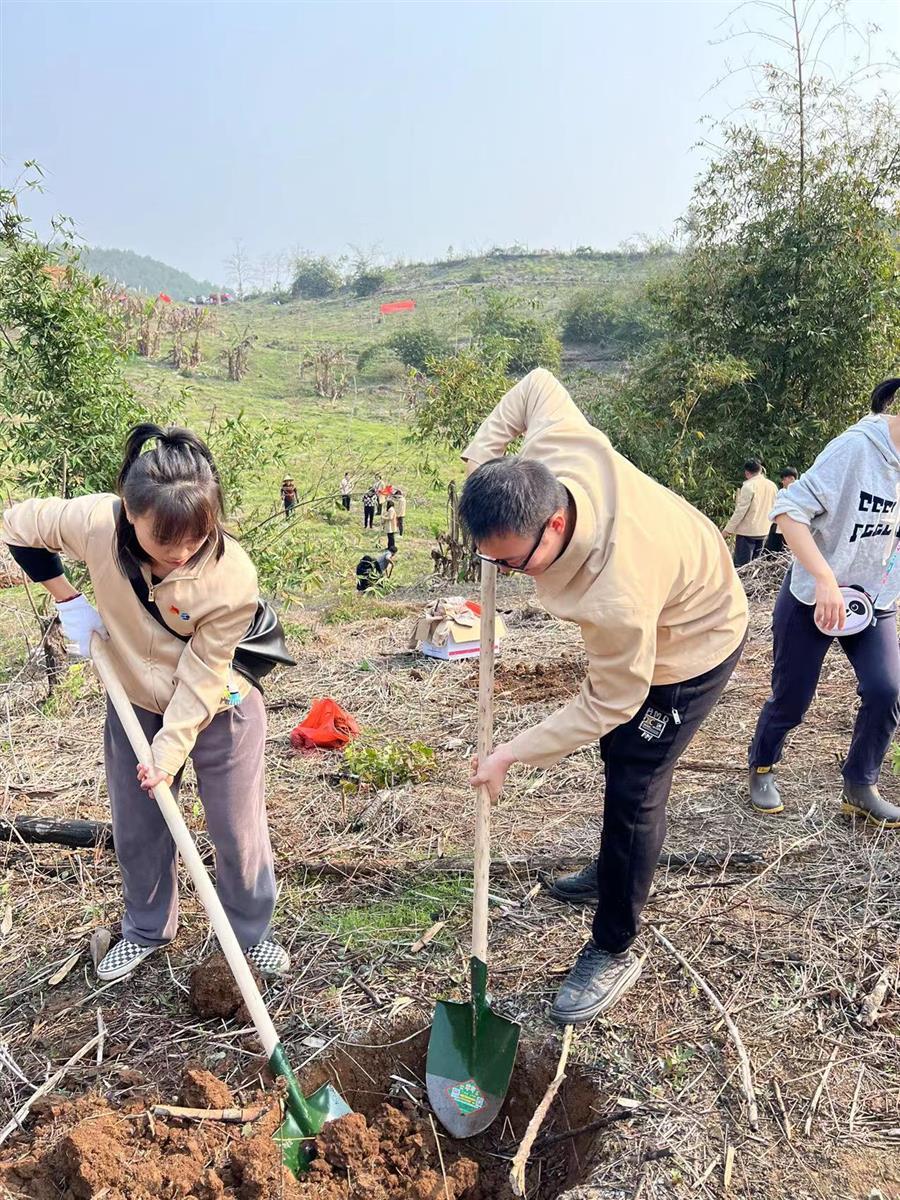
{"x": 314, "y": 278}
{"x": 64, "y": 401}
{"x": 785, "y": 308}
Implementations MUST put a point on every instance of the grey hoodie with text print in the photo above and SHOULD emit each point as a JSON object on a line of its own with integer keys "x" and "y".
{"x": 850, "y": 499}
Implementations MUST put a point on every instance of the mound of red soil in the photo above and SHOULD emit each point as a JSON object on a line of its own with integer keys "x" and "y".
{"x": 214, "y": 992}
{"x": 84, "y": 1149}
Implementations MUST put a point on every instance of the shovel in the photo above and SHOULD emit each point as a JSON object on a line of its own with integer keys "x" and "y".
{"x": 471, "y": 1049}
{"x": 304, "y": 1116}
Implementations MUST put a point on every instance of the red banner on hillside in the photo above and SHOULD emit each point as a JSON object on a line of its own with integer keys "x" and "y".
{"x": 397, "y": 306}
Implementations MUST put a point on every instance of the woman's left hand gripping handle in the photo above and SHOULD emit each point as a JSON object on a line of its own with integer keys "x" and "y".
{"x": 79, "y": 620}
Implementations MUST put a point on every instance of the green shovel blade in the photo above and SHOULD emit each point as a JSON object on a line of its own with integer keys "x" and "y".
{"x": 304, "y": 1116}
{"x": 471, "y": 1053}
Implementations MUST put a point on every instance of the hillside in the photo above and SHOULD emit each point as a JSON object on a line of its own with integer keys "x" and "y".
{"x": 143, "y": 274}
{"x": 365, "y": 430}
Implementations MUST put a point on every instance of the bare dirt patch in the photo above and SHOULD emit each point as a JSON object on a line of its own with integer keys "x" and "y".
{"x": 386, "y": 1148}
{"x": 534, "y": 682}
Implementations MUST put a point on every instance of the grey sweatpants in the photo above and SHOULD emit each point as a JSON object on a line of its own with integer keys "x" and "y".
{"x": 228, "y": 761}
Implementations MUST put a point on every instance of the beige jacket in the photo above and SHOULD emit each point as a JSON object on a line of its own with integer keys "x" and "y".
{"x": 400, "y": 506}
{"x": 647, "y": 577}
{"x": 755, "y": 501}
{"x": 389, "y": 521}
{"x": 214, "y": 602}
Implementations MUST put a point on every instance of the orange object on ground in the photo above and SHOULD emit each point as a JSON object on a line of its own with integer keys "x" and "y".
{"x": 326, "y": 727}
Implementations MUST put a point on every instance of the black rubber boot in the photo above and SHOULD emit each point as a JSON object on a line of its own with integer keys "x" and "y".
{"x": 764, "y": 794}
{"x": 865, "y": 800}
{"x": 582, "y": 888}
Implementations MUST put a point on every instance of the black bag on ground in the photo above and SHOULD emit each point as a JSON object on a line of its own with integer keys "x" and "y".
{"x": 261, "y": 649}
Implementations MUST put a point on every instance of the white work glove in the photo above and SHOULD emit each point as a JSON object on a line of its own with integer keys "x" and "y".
{"x": 79, "y": 619}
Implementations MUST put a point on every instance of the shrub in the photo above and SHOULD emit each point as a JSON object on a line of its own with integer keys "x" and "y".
{"x": 621, "y": 323}
{"x": 369, "y": 280}
{"x": 529, "y": 342}
{"x": 416, "y": 344}
{"x": 314, "y": 278}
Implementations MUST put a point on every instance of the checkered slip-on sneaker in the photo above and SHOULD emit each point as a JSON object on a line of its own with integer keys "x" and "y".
{"x": 268, "y": 957}
{"x": 124, "y": 958}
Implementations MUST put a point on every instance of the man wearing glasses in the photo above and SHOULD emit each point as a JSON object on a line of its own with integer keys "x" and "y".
{"x": 663, "y": 615}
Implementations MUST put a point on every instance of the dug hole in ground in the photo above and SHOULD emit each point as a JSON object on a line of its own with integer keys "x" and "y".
{"x": 792, "y": 923}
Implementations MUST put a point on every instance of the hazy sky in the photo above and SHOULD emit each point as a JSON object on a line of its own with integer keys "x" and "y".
{"x": 173, "y": 128}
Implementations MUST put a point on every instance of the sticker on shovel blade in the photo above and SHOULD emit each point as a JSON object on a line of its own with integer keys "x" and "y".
{"x": 467, "y": 1097}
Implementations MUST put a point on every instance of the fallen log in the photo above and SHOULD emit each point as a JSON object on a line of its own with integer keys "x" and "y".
{"x": 61, "y": 833}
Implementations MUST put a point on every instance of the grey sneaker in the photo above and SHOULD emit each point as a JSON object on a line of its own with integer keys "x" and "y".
{"x": 269, "y": 958}
{"x": 582, "y": 888}
{"x": 764, "y": 794}
{"x": 865, "y": 800}
{"x": 594, "y": 984}
{"x": 122, "y": 959}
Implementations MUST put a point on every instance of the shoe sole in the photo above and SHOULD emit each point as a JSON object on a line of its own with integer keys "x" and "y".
{"x": 852, "y": 810}
{"x": 766, "y": 811}
{"x": 587, "y": 1014}
{"x": 569, "y": 898}
{"x": 128, "y": 969}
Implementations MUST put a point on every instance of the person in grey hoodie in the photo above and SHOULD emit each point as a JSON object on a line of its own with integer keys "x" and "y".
{"x": 841, "y": 521}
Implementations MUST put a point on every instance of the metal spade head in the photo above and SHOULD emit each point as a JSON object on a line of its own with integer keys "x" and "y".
{"x": 304, "y": 1116}
{"x": 471, "y": 1053}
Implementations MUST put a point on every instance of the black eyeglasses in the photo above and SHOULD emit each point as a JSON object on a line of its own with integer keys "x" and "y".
{"x": 508, "y": 566}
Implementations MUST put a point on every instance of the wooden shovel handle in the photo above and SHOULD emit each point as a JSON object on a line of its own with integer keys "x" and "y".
{"x": 485, "y": 742}
{"x": 186, "y": 848}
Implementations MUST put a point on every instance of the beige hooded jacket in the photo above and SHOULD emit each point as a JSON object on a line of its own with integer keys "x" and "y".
{"x": 646, "y": 576}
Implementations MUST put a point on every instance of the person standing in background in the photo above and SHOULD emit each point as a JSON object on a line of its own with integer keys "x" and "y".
{"x": 378, "y": 488}
{"x": 750, "y": 520}
{"x": 399, "y": 509}
{"x": 346, "y": 491}
{"x": 288, "y": 496}
{"x": 775, "y": 543}
{"x": 389, "y": 525}
{"x": 369, "y": 503}
{"x": 841, "y": 522}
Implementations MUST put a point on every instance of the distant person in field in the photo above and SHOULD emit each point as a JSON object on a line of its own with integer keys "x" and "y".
{"x": 389, "y": 525}
{"x": 369, "y": 503}
{"x": 288, "y": 496}
{"x": 372, "y": 568}
{"x": 378, "y": 485}
{"x": 775, "y": 543}
{"x": 399, "y": 509}
{"x": 841, "y": 522}
{"x": 175, "y": 594}
{"x": 750, "y": 520}
{"x": 650, "y": 582}
{"x": 346, "y": 491}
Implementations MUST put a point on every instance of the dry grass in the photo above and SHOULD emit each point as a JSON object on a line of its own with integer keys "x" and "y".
{"x": 791, "y": 930}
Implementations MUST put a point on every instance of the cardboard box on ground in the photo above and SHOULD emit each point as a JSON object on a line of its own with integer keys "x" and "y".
{"x": 450, "y": 628}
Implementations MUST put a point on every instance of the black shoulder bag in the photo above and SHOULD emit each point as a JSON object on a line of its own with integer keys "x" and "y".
{"x": 261, "y": 649}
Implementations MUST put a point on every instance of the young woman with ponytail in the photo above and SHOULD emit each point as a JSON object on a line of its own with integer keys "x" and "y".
{"x": 841, "y": 520}
{"x": 159, "y": 559}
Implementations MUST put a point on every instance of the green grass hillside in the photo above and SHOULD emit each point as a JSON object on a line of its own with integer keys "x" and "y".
{"x": 366, "y": 430}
